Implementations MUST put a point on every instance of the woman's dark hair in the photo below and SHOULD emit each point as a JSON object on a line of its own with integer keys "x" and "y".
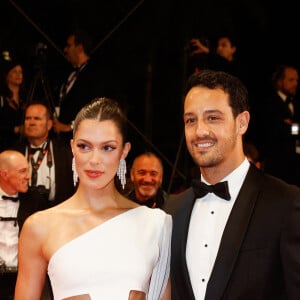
{"x": 103, "y": 109}
{"x": 5, "y": 68}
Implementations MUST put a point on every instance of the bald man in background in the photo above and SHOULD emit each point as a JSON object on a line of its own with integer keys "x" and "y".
{"x": 14, "y": 178}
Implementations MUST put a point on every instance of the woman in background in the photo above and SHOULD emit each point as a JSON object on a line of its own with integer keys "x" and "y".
{"x": 12, "y": 103}
{"x": 97, "y": 244}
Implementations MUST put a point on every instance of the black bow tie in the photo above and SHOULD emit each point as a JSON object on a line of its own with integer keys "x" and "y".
{"x": 33, "y": 150}
{"x": 220, "y": 189}
{"x": 14, "y": 199}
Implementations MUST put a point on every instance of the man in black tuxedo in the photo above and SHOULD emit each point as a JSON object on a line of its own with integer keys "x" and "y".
{"x": 50, "y": 162}
{"x": 236, "y": 231}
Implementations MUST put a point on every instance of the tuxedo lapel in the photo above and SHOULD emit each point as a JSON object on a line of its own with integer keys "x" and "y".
{"x": 62, "y": 156}
{"x": 180, "y": 231}
{"x": 233, "y": 235}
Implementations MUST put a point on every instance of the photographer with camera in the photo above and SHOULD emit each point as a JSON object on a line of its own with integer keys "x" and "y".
{"x": 50, "y": 163}
{"x": 222, "y": 56}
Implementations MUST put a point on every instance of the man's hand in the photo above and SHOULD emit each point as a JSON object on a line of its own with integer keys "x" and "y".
{"x": 61, "y": 127}
{"x": 198, "y": 47}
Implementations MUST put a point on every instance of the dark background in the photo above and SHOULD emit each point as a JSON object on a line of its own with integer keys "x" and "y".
{"x": 142, "y": 47}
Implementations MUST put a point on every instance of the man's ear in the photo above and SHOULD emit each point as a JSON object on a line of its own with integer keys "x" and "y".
{"x": 49, "y": 124}
{"x": 243, "y": 121}
{"x": 131, "y": 174}
{"x": 80, "y": 48}
{"x": 3, "y": 174}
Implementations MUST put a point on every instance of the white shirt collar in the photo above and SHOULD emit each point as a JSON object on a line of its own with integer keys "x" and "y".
{"x": 236, "y": 178}
{"x": 3, "y": 193}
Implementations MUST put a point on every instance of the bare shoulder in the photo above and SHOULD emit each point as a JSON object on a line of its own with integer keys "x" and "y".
{"x": 37, "y": 223}
{"x": 41, "y": 221}
{"x": 45, "y": 228}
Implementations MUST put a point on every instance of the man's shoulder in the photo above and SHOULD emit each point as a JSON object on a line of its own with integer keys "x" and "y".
{"x": 270, "y": 186}
{"x": 278, "y": 186}
{"x": 91, "y": 67}
{"x": 173, "y": 202}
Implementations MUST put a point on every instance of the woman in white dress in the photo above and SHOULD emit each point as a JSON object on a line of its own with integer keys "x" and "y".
{"x": 96, "y": 244}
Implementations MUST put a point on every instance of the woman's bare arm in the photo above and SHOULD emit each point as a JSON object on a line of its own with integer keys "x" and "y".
{"x": 167, "y": 293}
{"x": 32, "y": 266}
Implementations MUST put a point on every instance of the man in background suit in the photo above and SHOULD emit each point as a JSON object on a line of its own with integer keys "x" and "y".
{"x": 50, "y": 162}
{"x": 14, "y": 177}
{"x": 84, "y": 83}
{"x": 239, "y": 239}
{"x": 281, "y": 113}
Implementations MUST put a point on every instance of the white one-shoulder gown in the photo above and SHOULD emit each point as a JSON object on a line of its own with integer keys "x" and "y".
{"x": 128, "y": 252}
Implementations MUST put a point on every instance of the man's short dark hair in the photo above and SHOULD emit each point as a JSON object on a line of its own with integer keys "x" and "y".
{"x": 85, "y": 39}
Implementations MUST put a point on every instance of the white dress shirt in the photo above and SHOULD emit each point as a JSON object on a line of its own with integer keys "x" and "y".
{"x": 208, "y": 220}
{"x": 9, "y": 231}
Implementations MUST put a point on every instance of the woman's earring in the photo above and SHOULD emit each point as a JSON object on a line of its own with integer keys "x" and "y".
{"x": 122, "y": 172}
{"x": 75, "y": 175}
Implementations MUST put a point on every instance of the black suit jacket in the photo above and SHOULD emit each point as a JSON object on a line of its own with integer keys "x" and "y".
{"x": 259, "y": 253}
{"x": 276, "y": 111}
{"x": 64, "y": 187}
